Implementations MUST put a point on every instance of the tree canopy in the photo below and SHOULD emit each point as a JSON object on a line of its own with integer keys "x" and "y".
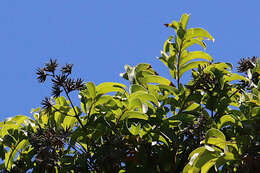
{"x": 155, "y": 124}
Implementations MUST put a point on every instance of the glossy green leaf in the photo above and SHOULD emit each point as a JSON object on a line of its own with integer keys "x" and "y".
{"x": 134, "y": 114}
{"x": 156, "y": 79}
{"x": 227, "y": 120}
{"x": 105, "y": 99}
{"x": 191, "y": 42}
{"x": 195, "y": 55}
{"x": 192, "y": 107}
{"x": 215, "y": 133}
{"x": 108, "y": 87}
{"x": 205, "y": 168}
{"x": 135, "y": 103}
{"x": 203, "y": 157}
{"x": 75, "y": 112}
{"x": 144, "y": 96}
{"x": 184, "y": 20}
{"x": 68, "y": 122}
{"x": 62, "y": 101}
{"x": 58, "y": 118}
{"x": 136, "y": 87}
{"x": 191, "y": 65}
{"x": 91, "y": 89}
{"x": 198, "y": 32}
{"x": 135, "y": 129}
{"x": 216, "y": 142}
{"x": 18, "y": 119}
{"x": 235, "y": 76}
{"x": 44, "y": 118}
{"x": 166, "y": 47}
{"x": 35, "y": 110}
{"x": 220, "y": 66}
{"x": 10, "y": 156}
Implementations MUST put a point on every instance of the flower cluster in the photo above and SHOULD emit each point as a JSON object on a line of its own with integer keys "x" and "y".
{"x": 60, "y": 82}
{"x": 246, "y": 63}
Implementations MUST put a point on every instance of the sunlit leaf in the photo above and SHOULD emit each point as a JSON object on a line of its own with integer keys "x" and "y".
{"x": 136, "y": 87}
{"x": 215, "y": 133}
{"x": 190, "y": 66}
{"x": 135, "y": 129}
{"x": 156, "y": 79}
{"x": 205, "y": 168}
{"x": 198, "y": 32}
{"x": 108, "y": 87}
{"x": 144, "y": 96}
{"x": 184, "y": 20}
{"x": 134, "y": 114}
{"x": 191, "y": 42}
{"x": 195, "y": 55}
{"x": 10, "y": 156}
{"x": 68, "y": 122}
{"x": 91, "y": 89}
{"x": 227, "y": 120}
{"x": 235, "y": 76}
{"x": 135, "y": 103}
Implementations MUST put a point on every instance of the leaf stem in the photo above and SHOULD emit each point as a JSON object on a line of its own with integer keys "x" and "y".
{"x": 178, "y": 64}
{"x": 76, "y": 114}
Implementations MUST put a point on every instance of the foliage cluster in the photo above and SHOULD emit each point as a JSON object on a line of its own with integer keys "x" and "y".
{"x": 211, "y": 124}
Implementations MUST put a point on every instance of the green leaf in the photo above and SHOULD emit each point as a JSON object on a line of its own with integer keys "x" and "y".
{"x": 220, "y": 66}
{"x": 108, "y": 87}
{"x": 91, "y": 89}
{"x": 136, "y": 87}
{"x": 229, "y": 156}
{"x": 68, "y": 122}
{"x": 10, "y": 156}
{"x": 188, "y": 43}
{"x": 135, "y": 103}
{"x": 215, "y": 133}
{"x": 134, "y": 114}
{"x": 198, "y": 32}
{"x": 174, "y": 25}
{"x": 234, "y": 76}
{"x": 215, "y": 141}
{"x": 44, "y": 118}
{"x": 227, "y": 120}
{"x": 166, "y": 47}
{"x": 19, "y": 119}
{"x": 58, "y": 118}
{"x": 62, "y": 101}
{"x": 104, "y": 100}
{"x": 144, "y": 96}
{"x": 143, "y": 66}
{"x": 191, "y": 65}
{"x": 195, "y": 55}
{"x": 192, "y": 107}
{"x": 156, "y": 79}
{"x": 76, "y": 111}
{"x": 184, "y": 20}
{"x": 35, "y": 110}
{"x": 135, "y": 130}
{"x": 201, "y": 156}
{"x": 205, "y": 168}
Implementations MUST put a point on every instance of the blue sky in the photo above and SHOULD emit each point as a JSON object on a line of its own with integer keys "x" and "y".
{"x": 99, "y": 37}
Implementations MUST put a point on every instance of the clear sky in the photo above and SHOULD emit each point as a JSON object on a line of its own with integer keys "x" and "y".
{"x": 100, "y": 36}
